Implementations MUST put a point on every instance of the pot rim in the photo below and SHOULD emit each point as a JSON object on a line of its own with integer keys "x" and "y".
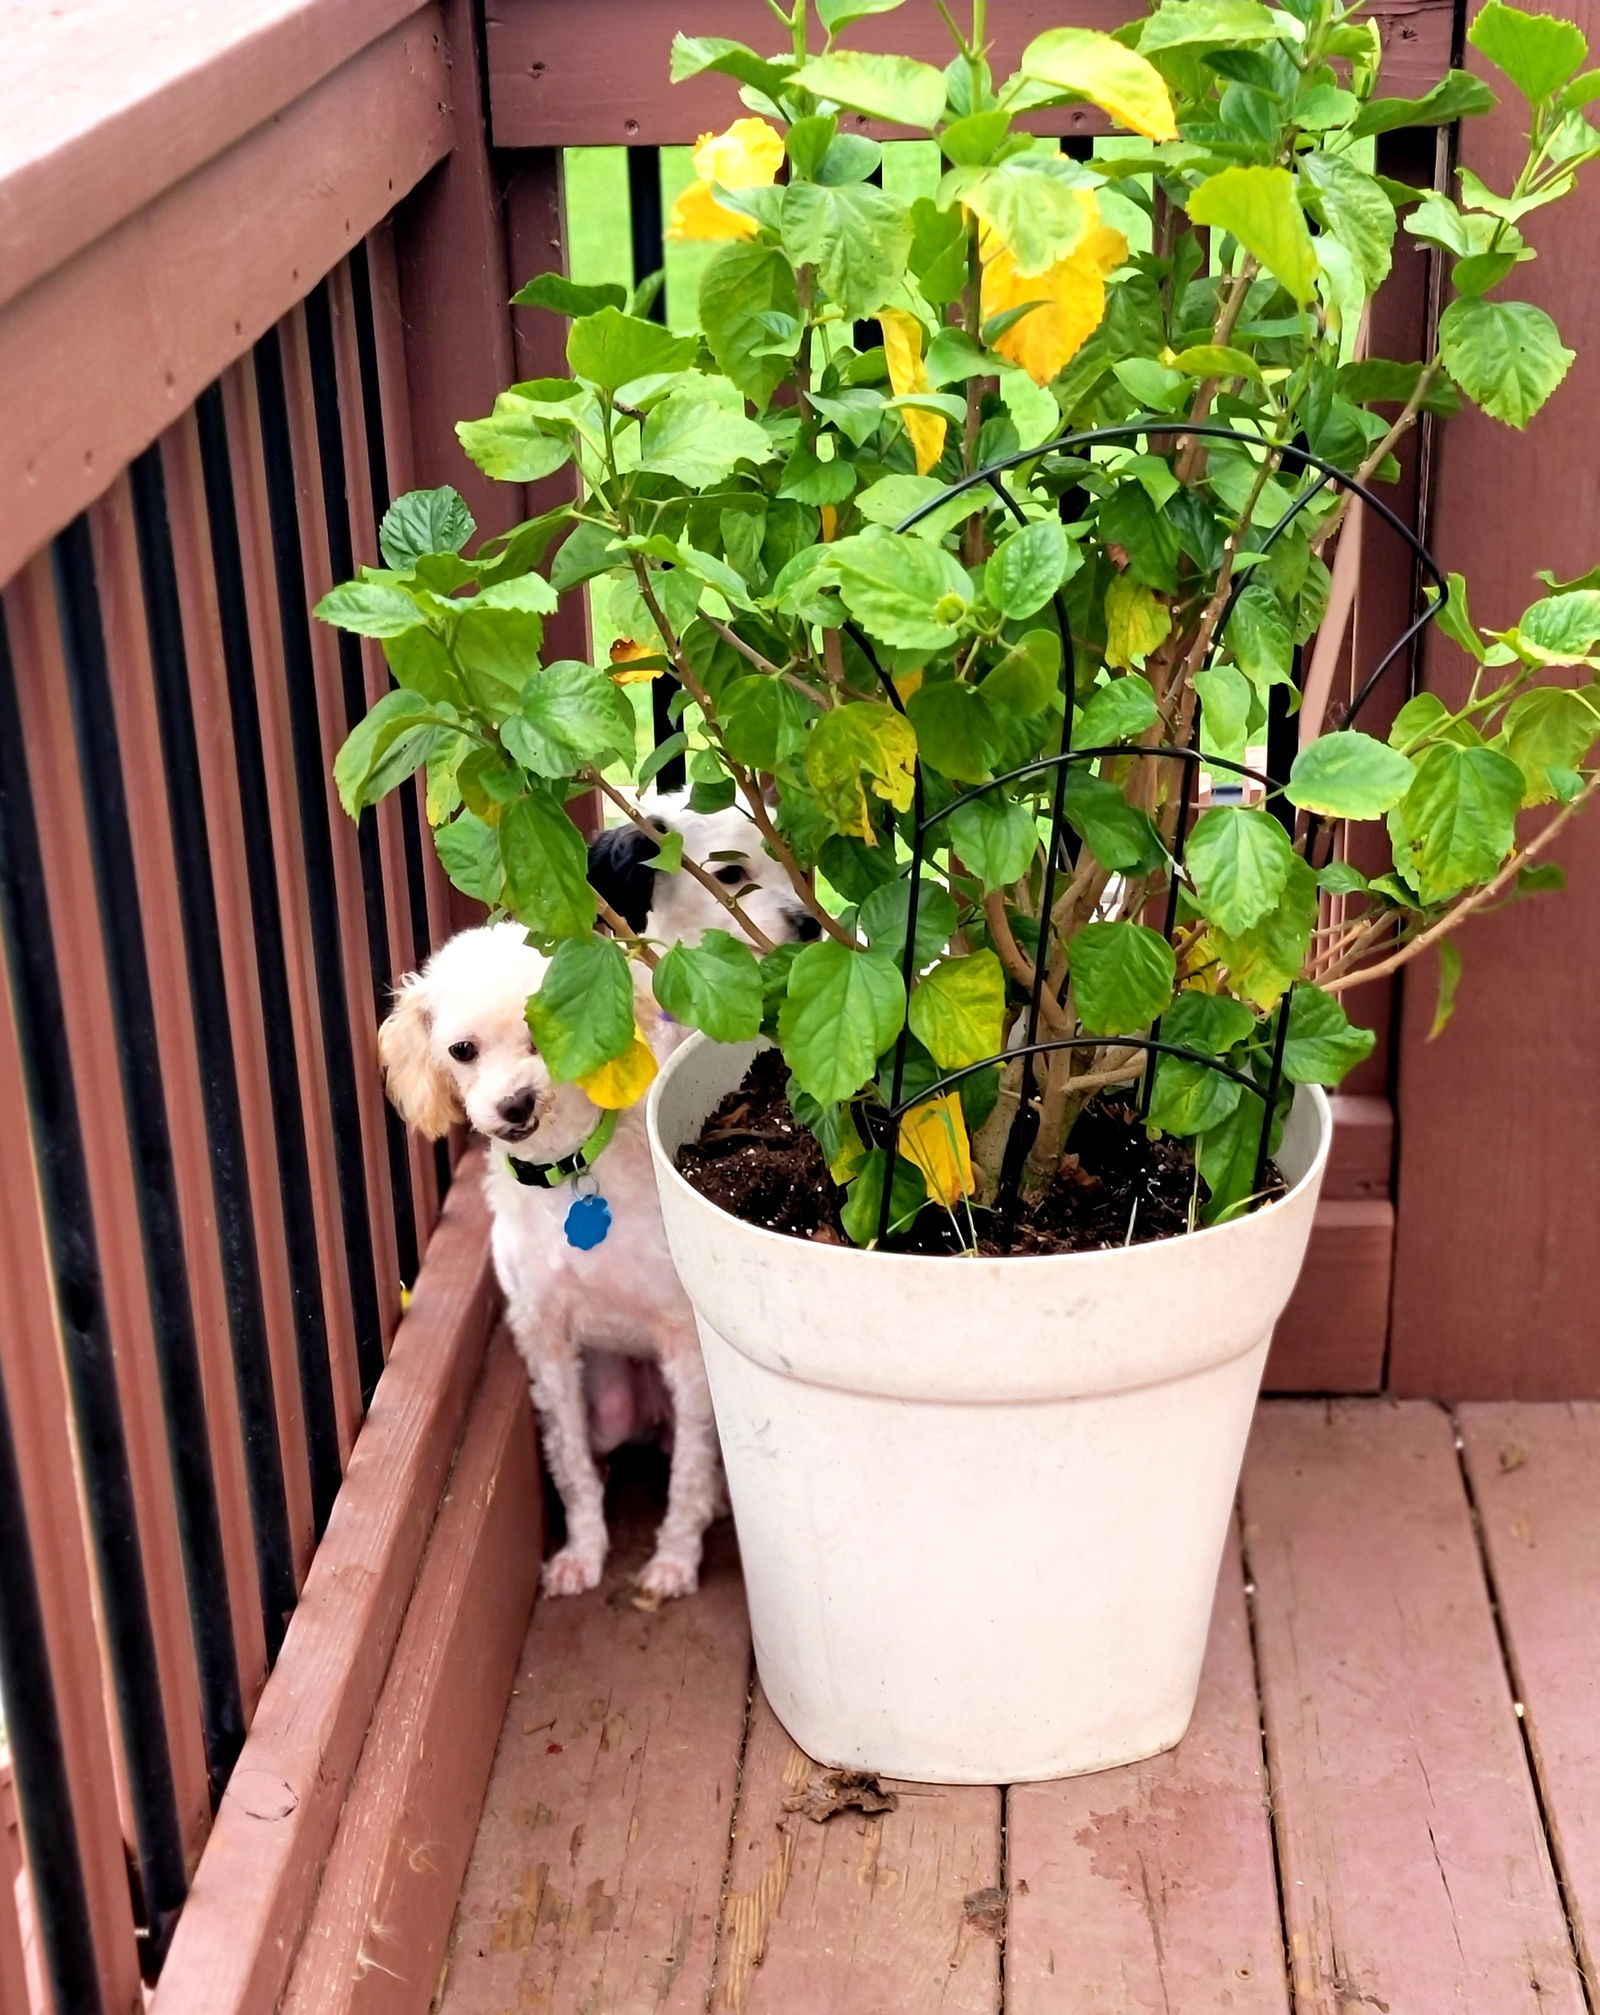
{"x": 666, "y": 1166}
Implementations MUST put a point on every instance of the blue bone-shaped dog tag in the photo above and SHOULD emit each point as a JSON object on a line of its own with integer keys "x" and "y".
{"x": 587, "y": 1222}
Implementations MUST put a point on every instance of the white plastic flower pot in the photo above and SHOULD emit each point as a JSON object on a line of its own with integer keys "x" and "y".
{"x": 980, "y": 1503}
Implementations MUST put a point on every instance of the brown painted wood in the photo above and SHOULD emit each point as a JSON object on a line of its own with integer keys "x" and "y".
{"x": 1362, "y": 1156}
{"x": 256, "y": 1883}
{"x": 15, "y": 1993}
{"x": 199, "y": 273}
{"x": 1331, "y": 1336}
{"x": 596, "y": 74}
{"x": 900, "y": 1910}
{"x": 1497, "y": 1279}
{"x": 597, "y": 1875}
{"x": 105, "y": 103}
{"x": 1535, "y": 1473}
{"x": 36, "y": 1398}
{"x": 45, "y": 706}
{"x": 1152, "y": 1887}
{"x": 156, "y": 868}
{"x": 225, "y": 830}
{"x": 388, "y": 1892}
{"x": 1415, "y": 1871}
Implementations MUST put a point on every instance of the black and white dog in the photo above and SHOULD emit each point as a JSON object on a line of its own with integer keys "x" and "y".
{"x": 592, "y": 1299}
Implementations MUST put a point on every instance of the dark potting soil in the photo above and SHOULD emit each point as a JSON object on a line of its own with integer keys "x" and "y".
{"x": 755, "y": 1160}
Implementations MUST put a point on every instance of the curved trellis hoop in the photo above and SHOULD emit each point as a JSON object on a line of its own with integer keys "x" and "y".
{"x": 1061, "y": 848}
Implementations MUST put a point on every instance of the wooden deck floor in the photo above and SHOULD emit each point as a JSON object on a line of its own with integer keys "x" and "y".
{"x": 1388, "y": 1804}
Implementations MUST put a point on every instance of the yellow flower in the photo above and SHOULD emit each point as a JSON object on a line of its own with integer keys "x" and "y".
{"x": 625, "y": 1080}
{"x": 747, "y": 156}
{"x": 634, "y": 664}
{"x": 902, "y": 353}
{"x": 933, "y": 1138}
{"x": 1071, "y": 295}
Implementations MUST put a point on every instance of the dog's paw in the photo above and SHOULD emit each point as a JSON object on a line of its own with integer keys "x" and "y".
{"x": 572, "y": 1571}
{"x": 667, "y": 1575}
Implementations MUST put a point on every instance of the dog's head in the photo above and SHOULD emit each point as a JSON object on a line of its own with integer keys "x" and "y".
{"x": 457, "y": 1047}
{"x": 674, "y": 908}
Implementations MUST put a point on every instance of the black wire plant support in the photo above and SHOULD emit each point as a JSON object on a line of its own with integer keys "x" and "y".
{"x": 1061, "y": 853}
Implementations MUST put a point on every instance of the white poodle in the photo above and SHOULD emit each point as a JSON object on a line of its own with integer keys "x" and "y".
{"x": 576, "y": 1280}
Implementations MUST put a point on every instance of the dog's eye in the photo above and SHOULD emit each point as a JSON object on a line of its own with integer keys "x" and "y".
{"x": 463, "y": 1052}
{"x": 733, "y": 874}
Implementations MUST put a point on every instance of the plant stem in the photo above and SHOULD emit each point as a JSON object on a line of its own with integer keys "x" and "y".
{"x": 692, "y": 869}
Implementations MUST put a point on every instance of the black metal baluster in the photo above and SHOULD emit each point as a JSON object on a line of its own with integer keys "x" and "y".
{"x": 266, "y": 917}
{"x": 310, "y": 761}
{"x": 58, "y": 1151}
{"x": 219, "y": 1084}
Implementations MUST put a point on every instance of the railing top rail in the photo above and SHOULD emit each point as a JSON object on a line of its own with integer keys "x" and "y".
{"x": 105, "y": 103}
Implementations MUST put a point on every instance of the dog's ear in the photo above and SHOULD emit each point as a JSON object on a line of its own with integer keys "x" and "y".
{"x": 419, "y": 1089}
{"x": 620, "y": 872}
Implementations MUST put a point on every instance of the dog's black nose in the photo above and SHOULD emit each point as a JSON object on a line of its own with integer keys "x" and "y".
{"x": 806, "y": 928}
{"x": 518, "y": 1109}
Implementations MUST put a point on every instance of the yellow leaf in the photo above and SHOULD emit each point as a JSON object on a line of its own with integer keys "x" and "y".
{"x": 1136, "y": 621}
{"x": 697, "y": 215}
{"x": 1070, "y": 297}
{"x": 1097, "y": 67}
{"x": 747, "y": 156}
{"x": 907, "y": 683}
{"x": 634, "y": 664}
{"x": 625, "y": 1080}
{"x": 933, "y": 1138}
{"x": 902, "y": 353}
{"x": 862, "y": 742}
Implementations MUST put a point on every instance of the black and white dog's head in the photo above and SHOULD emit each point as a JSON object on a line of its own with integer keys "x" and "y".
{"x": 674, "y": 908}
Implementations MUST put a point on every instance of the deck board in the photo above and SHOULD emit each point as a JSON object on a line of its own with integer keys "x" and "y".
{"x": 893, "y": 1914}
{"x": 1536, "y": 1479}
{"x": 1415, "y": 1873}
{"x": 595, "y": 1881}
{"x": 1152, "y": 1886}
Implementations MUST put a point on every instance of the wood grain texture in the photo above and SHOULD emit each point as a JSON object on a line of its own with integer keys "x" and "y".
{"x": 595, "y": 1884}
{"x": 1331, "y": 1336}
{"x": 895, "y": 1913}
{"x": 388, "y": 1891}
{"x": 550, "y": 85}
{"x": 199, "y": 273}
{"x": 256, "y": 1882}
{"x": 1151, "y": 1888}
{"x": 1497, "y": 1278}
{"x": 1415, "y": 1873}
{"x": 1535, "y": 1474}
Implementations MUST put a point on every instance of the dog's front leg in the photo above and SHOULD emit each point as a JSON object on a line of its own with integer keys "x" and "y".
{"x": 557, "y": 1382}
{"x": 693, "y": 1490}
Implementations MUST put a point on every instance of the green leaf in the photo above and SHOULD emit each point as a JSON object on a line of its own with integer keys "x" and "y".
{"x": 1258, "y": 206}
{"x": 1457, "y": 822}
{"x": 1379, "y": 381}
{"x": 572, "y": 714}
{"x": 957, "y": 1011}
{"x": 610, "y": 349}
{"x": 893, "y": 498}
{"x": 714, "y": 986}
{"x": 1221, "y": 24}
{"x": 1122, "y": 977}
{"x": 1322, "y": 1046}
{"x": 1190, "y": 1097}
{"x": 370, "y": 609}
{"x": 957, "y": 732}
{"x": 517, "y": 443}
{"x": 1261, "y": 961}
{"x": 1227, "y": 1155}
{"x": 938, "y": 251}
{"x": 1549, "y": 729}
{"x": 882, "y": 917}
{"x": 1215, "y": 360}
{"x": 864, "y": 1203}
{"x": 424, "y": 521}
{"x": 740, "y": 288}
{"x": 700, "y": 433}
{"x": 1458, "y": 95}
{"x": 1356, "y": 211}
{"x": 566, "y": 297}
{"x": 693, "y": 55}
{"x": 763, "y": 720}
{"x": 996, "y": 839}
{"x": 469, "y": 853}
{"x": 528, "y": 594}
{"x": 1455, "y": 622}
{"x": 1119, "y": 835}
{"x": 899, "y": 587}
{"x": 1032, "y": 203}
{"x": 1349, "y": 775}
{"x": 1118, "y": 711}
{"x": 1536, "y": 51}
{"x": 1506, "y": 356}
{"x": 1027, "y": 678}
{"x": 1339, "y": 878}
{"x": 862, "y": 744}
{"x": 856, "y": 236}
{"x": 895, "y": 88}
{"x": 1563, "y": 627}
{"x": 843, "y": 1009}
{"x": 1024, "y": 571}
{"x": 1449, "y": 979}
{"x": 1209, "y": 1023}
{"x": 837, "y": 14}
{"x": 546, "y": 868}
{"x": 1227, "y": 699}
{"x": 399, "y": 732}
{"x": 1239, "y": 861}
{"x": 583, "y": 1014}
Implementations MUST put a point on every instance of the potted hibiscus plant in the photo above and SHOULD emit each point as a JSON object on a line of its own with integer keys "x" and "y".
{"x": 942, "y": 494}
